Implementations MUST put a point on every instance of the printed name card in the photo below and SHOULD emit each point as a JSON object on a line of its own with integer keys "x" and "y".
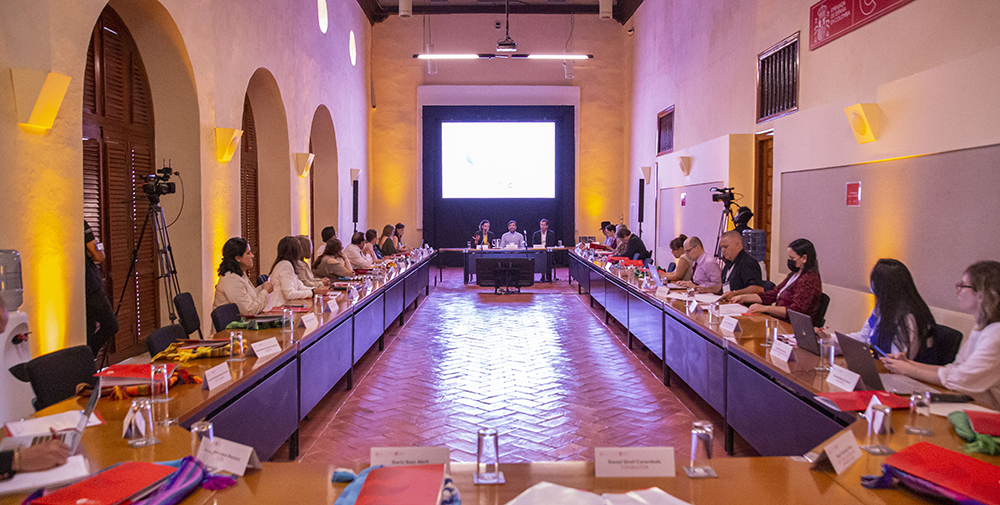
{"x": 331, "y": 306}
{"x": 400, "y": 456}
{"x": 842, "y": 452}
{"x": 309, "y": 322}
{"x": 662, "y": 292}
{"x": 692, "y": 306}
{"x": 730, "y": 324}
{"x": 217, "y": 376}
{"x": 266, "y": 348}
{"x": 782, "y": 351}
{"x": 843, "y": 378}
{"x": 227, "y": 456}
{"x": 634, "y": 462}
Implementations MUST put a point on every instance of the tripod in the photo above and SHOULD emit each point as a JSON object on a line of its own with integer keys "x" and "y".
{"x": 727, "y": 216}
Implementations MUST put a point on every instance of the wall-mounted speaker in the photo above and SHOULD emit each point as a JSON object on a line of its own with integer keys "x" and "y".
{"x": 642, "y": 197}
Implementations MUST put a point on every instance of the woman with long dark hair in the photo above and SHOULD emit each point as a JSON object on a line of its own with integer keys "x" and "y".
{"x": 386, "y": 242}
{"x": 483, "y": 235}
{"x": 333, "y": 263}
{"x": 285, "y": 277}
{"x": 800, "y": 291}
{"x": 234, "y": 286}
{"x": 976, "y": 369}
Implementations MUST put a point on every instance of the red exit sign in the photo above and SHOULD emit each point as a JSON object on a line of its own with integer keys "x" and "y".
{"x": 830, "y": 19}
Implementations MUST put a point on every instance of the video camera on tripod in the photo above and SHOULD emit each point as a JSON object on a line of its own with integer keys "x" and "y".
{"x": 724, "y": 195}
{"x": 157, "y": 185}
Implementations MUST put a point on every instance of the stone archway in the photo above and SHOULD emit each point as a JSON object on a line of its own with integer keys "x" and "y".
{"x": 325, "y": 191}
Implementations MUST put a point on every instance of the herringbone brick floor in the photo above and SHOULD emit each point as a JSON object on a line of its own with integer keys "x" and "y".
{"x": 540, "y": 367}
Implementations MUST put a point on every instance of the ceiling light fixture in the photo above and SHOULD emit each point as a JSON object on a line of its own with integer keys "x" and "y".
{"x": 490, "y": 56}
{"x": 507, "y": 45}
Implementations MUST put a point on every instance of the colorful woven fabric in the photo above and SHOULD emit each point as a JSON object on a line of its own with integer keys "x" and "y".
{"x": 254, "y": 325}
{"x": 173, "y": 352}
{"x": 184, "y": 481}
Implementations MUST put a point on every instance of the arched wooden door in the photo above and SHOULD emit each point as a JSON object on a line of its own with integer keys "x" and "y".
{"x": 249, "y": 204}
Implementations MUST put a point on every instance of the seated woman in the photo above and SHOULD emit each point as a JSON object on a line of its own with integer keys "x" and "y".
{"x": 800, "y": 291}
{"x": 333, "y": 263}
{"x": 682, "y": 271}
{"x": 397, "y": 239}
{"x": 976, "y": 369}
{"x": 901, "y": 321}
{"x": 302, "y": 268}
{"x": 287, "y": 285}
{"x": 234, "y": 286}
{"x": 608, "y": 230}
{"x": 483, "y": 236}
{"x": 386, "y": 243}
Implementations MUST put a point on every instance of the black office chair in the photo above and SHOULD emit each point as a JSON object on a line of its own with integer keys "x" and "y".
{"x": 944, "y": 346}
{"x": 671, "y": 267}
{"x": 54, "y": 376}
{"x": 261, "y": 279}
{"x": 820, "y": 316}
{"x": 161, "y": 338}
{"x": 225, "y": 314}
{"x": 768, "y": 285}
{"x": 188, "y": 314}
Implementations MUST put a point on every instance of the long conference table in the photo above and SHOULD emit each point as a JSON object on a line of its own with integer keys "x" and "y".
{"x": 261, "y": 408}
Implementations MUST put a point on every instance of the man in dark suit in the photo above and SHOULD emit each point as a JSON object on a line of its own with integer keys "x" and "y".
{"x": 546, "y": 238}
{"x": 633, "y": 244}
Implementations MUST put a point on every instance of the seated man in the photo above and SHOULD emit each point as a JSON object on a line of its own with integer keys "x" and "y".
{"x": 543, "y": 236}
{"x": 741, "y": 274}
{"x": 512, "y": 239}
{"x": 630, "y": 245}
{"x": 359, "y": 252}
{"x": 706, "y": 276}
{"x": 327, "y": 233}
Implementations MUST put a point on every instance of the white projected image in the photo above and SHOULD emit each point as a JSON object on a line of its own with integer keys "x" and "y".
{"x": 498, "y": 160}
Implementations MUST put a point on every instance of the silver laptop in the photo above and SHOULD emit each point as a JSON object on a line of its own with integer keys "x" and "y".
{"x": 860, "y": 360}
{"x": 805, "y": 335}
{"x": 656, "y": 275}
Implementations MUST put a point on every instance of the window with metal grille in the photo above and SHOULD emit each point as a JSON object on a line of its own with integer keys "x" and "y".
{"x": 665, "y": 131}
{"x": 778, "y": 80}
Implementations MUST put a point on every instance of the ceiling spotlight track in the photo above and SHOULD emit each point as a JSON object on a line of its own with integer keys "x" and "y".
{"x": 507, "y": 45}
{"x": 490, "y": 56}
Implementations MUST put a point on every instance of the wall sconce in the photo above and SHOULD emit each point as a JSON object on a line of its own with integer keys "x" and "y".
{"x": 864, "y": 120}
{"x": 684, "y": 163}
{"x": 38, "y": 94}
{"x": 226, "y": 142}
{"x": 303, "y": 162}
{"x": 405, "y": 8}
{"x": 355, "y": 175}
{"x": 646, "y": 171}
{"x": 604, "y": 9}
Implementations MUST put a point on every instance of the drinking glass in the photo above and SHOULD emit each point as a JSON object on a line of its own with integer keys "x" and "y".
{"x": 559, "y": 242}
{"x": 236, "y": 351}
{"x": 286, "y": 320}
{"x": 713, "y": 312}
{"x": 488, "y": 458}
{"x": 158, "y": 374}
{"x": 468, "y": 244}
{"x": 701, "y": 435}
{"x": 142, "y": 409}
{"x": 881, "y": 422}
{"x": 920, "y": 414}
{"x": 318, "y": 304}
{"x": 770, "y": 329}
{"x": 826, "y": 354}
{"x": 200, "y": 431}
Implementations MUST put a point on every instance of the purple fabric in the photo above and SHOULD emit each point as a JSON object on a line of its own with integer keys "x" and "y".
{"x": 188, "y": 476}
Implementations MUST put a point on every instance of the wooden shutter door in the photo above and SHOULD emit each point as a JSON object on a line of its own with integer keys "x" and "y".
{"x": 249, "y": 220}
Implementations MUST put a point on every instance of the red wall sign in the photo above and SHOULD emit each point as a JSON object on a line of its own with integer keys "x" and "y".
{"x": 829, "y": 19}
{"x": 854, "y": 194}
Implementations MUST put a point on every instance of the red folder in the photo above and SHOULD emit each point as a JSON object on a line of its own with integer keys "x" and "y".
{"x": 114, "y": 485}
{"x": 857, "y": 401}
{"x": 960, "y": 473}
{"x": 131, "y": 371}
{"x": 403, "y": 485}
{"x": 986, "y": 423}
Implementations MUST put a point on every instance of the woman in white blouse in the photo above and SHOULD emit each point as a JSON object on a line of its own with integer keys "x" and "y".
{"x": 976, "y": 369}
{"x": 302, "y": 269}
{"x": 234, "y": 286}
{"x": 284, "y": 276}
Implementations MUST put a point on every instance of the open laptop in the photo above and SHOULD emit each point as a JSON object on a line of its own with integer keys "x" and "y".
{"x": 858, "y": 356}
{"x": 805, "y": 335}
{"x": 655, "y": 274}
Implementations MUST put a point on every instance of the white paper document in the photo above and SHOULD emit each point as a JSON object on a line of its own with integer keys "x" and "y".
{"x": 75, "y": 469}
{"x": 59, "y": 422}
{"x": 706, "y": 297}
{"x": 546, "y": 493}
{"x": 943, "y": 409}
{"x": 731, "y": 309}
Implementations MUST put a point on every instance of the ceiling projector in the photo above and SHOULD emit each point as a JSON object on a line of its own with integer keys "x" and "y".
{"x": 506, "y": 45}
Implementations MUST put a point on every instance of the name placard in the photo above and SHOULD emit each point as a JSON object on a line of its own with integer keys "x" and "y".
{"x": 217, "y": 376}
{"x": 266, "y": 347}
{"x": 662, "y": 292}
{"x": 842, "y": 452}
{"x": 843, "y": 378}
{"x": 331, "y": 306}
{"x": 400, "y": 456}
{"x": 730, "y": 324}
{"x": 782, "y": 351}
{"x": 634, "y": 462}
{"x": 227, "y": 456}
{"x": 692, "y": 306}
{"x": 309, "y": 322}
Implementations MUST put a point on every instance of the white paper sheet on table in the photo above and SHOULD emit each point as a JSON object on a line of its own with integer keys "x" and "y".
{"x": 674, "y": 285}
{"x": 75, "y": 469}
{"x": 706, "y": 297}
{"x": 678, "y": 296}
{"x": 546, "y": 493}
{"x": 731, "y": 309}
{"x": 62, "y": 421}
{"x": 943, "y": 409}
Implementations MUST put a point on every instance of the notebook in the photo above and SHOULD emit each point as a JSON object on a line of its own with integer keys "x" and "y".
{"x": 403, "y": 485}
{"x": 954, "y": 471}
{"x": 114, "y": 485}
{"x": 129, "y": 375}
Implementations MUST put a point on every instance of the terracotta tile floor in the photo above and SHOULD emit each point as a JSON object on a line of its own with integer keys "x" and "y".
{"x": 540, "y": 367}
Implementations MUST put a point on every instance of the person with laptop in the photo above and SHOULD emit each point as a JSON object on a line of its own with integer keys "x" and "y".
{"x": 976, "y": 369}
{"x": 706, "y": 277}
{"x": 741, "y": 274}
{"x": 901, "y": 321}
{"x": 800, "y": 291}
{"x": 682, "y": 264}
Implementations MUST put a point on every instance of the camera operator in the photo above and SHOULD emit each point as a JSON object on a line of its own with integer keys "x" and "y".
{"x": 102, "y": 325}
{"x": 741, "y": 220}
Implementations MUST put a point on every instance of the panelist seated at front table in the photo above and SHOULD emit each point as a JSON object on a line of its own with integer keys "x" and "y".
{"x": 901, "y": 321}
{"x": 976, "y": 369}
{"x": 483, "y": 237}
{"x": 512, "y": 239}
{"x": 544, "y": 236}
{"x": 800, "y": 291}
{"x": 234, "y": 286}
{"x": 741, "y": 274}
{"x": 706, "y": 277}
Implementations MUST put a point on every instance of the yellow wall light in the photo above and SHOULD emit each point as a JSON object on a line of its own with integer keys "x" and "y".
{"x": 864, "y": 119}
{"x": 226, "y": 142}
{"x": 303, "y": 162}
{"x": 38, "y": 94}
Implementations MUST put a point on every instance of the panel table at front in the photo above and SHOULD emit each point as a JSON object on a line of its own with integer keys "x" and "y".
{"x": 368, "y": 325}
{"x": 772, "y": 419}
{"x": 394, "y": 301}
{"x": 645, "y": 321}
{"x": 699, "y": 362}
{"x": 266, "y": 416}
{"x": 322, "y": 364}
{"x": 541, "y": 259}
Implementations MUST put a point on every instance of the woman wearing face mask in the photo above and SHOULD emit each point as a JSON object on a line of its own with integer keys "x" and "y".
{"x": 800, "y": 291}
{"x": 976, "y": 369}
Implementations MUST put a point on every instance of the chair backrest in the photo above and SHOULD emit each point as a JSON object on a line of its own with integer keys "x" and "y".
{"x": 768, "y": 285}
{"x": 944, "y": 347}
{"x": 671, "y": 267}
{"x": 819, "y": 318}
{"x": 225, "y": 314}
{"x": 188, "y": 314}
{"x": 161, "y": 338}
{"x": 54, "y": 376}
